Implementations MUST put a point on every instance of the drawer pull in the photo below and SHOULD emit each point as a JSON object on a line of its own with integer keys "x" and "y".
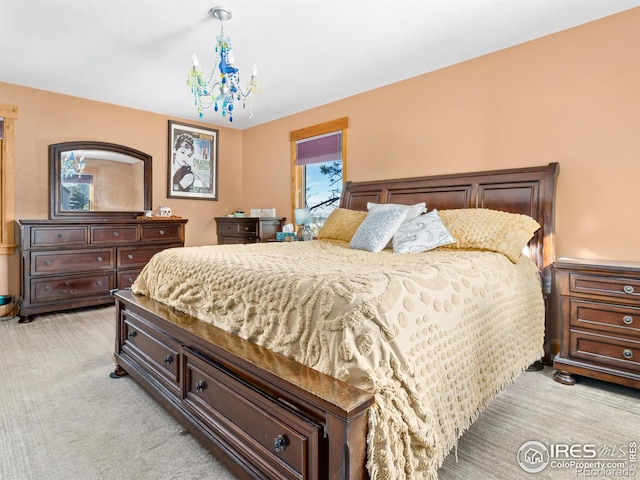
{"x": 628, "y": 289}
{"x": 200, "y": 386}
{"x": 628, "y": 354}
{"x": 627, "y": 319}
{"x": 161, "y": 232}
{"x": 130, "y": 257}
{"x": 59, "y": 235}
{"x": 130, "y": 279}
{"x": 48, "y": 262}
{"x": 246, "y": 229}
{"x": 115, "y": 234}
{"x": 47, "y": 288}
{"x": 132, "y": 334}
{"x": 279, "y": 443}
{"x": 167, "y": 359}
{"x": 99, "y": 283}
{"x": 99, "y": 259}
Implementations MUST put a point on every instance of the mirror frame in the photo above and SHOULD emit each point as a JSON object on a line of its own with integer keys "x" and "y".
{"x": 55, "y": 188}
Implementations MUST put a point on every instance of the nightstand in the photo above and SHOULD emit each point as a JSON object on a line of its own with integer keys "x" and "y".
{"x": 247, "y": 229}
{"x": 597, "y": 305}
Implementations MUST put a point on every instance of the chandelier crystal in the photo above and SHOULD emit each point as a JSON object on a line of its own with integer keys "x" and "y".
{"x": 72, "y": 165}
{"x": 221, "y": 89}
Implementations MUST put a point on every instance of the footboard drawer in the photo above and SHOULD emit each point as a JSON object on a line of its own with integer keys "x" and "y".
{"x": 158, "y": 354}
{"x": 270, "y": 435}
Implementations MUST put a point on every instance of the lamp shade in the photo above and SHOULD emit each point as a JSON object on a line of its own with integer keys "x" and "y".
{"x": 303, "y": 216}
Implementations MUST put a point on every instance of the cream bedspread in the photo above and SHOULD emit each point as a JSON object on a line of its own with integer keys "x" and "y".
{"x": 435, "y": 336}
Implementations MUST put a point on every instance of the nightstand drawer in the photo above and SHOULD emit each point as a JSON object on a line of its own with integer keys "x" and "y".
{"x": 609, "y": 318}
{"x": 619, "y": 287}
{"x": 606, "y": 350}
{"x": 238, "y": 227}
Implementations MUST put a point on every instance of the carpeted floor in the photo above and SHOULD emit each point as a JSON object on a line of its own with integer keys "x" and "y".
{"x": 64, "y": 418}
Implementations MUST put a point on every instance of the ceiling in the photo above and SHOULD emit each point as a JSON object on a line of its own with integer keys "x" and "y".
{"x": 136, "y": 53}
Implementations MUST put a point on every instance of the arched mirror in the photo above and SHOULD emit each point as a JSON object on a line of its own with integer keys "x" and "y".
{"x": 97, "y": 179}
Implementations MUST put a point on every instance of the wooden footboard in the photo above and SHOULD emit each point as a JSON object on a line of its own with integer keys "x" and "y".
{"x": 262, "y": 414}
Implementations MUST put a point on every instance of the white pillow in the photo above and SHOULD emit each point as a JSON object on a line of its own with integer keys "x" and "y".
{"x": 422, "y": 233}
{"x": 412, "y": 210}
{"x": 377, "y": 229}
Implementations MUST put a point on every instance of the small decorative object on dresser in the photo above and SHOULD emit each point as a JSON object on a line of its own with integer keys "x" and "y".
{"x": 247, "y": 229}
{"x": 597, "y": 304}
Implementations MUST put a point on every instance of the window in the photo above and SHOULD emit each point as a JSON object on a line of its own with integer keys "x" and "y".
{"x": 8, "y": 114}
{"x": 319, "y": 166}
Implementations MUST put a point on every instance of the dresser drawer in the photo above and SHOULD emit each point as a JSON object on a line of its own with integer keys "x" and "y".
{"x": 137, "y": 256}
{"x": 604, "y": 317}
{"x": 231, "y": 240}
{"x": 168, "y": 233}
{"x": 125, "y": 278}
{"x": 157, "y": 353}
{"x": 619, "y": 287}
{"x": 284, "y": 444}
{"x": 71, "y": 261}
{"x": 114, "y": 234}
{"x": 249, "y": 227}
{"x": 605, "y": 350}
{"x": 58, "y": 236}
{"x": 72, "y": 286}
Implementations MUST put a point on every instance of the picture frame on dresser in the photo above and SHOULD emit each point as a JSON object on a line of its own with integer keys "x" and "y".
{"x": 192, "y": 162}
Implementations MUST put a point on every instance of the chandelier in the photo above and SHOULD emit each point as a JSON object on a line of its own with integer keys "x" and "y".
{"x": 221, "y": 89}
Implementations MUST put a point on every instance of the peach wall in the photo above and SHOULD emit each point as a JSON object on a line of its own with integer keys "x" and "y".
{"x": 572, "y": 97}
{"x": 45, "y": 118}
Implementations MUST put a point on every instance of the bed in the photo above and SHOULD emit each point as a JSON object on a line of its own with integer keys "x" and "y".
{"x": 316, "y": 360}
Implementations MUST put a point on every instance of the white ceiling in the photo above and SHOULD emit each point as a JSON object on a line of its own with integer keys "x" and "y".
{"x": 137, "y": 53}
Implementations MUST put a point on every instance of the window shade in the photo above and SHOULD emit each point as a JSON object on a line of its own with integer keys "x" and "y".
{"x": 320, "y": 149}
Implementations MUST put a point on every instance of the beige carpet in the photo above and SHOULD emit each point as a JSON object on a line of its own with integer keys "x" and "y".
{"x": 64, "y": 418}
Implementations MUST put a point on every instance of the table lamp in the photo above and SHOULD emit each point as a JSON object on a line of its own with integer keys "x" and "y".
{"x": 303, "y": 220}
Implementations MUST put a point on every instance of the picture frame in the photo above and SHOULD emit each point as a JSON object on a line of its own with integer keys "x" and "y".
{"x": 192, "y": 162}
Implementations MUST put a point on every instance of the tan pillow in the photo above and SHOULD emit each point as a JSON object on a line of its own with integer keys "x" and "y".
{"x": 486, "y": 229}
{"x": 342, "y": 224}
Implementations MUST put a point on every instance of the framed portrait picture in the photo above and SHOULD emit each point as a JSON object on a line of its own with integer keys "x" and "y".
{"x": 193, "y": 162}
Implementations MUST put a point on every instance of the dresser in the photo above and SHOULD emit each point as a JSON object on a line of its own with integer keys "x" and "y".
{"x": 68, "y": 263}
{"x": 597, "y": 305}
{"x": 247, "y": 229}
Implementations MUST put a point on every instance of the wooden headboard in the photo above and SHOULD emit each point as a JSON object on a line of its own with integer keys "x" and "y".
{"x": 530, "y": 191}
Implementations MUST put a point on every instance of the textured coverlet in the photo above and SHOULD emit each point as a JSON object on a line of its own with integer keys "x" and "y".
{"x": 435, "y": 336}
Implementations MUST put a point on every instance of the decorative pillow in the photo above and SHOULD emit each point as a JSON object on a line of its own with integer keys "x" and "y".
{"x": 341, "y": 224}
{"x": 377, "y": 229}
{"x": 486, "y": 229}
{"x": 412, "y": 210}
{"x": 422, "y": 233}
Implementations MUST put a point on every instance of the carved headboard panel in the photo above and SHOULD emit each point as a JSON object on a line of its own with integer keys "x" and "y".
{"x": 529, "y": 191}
